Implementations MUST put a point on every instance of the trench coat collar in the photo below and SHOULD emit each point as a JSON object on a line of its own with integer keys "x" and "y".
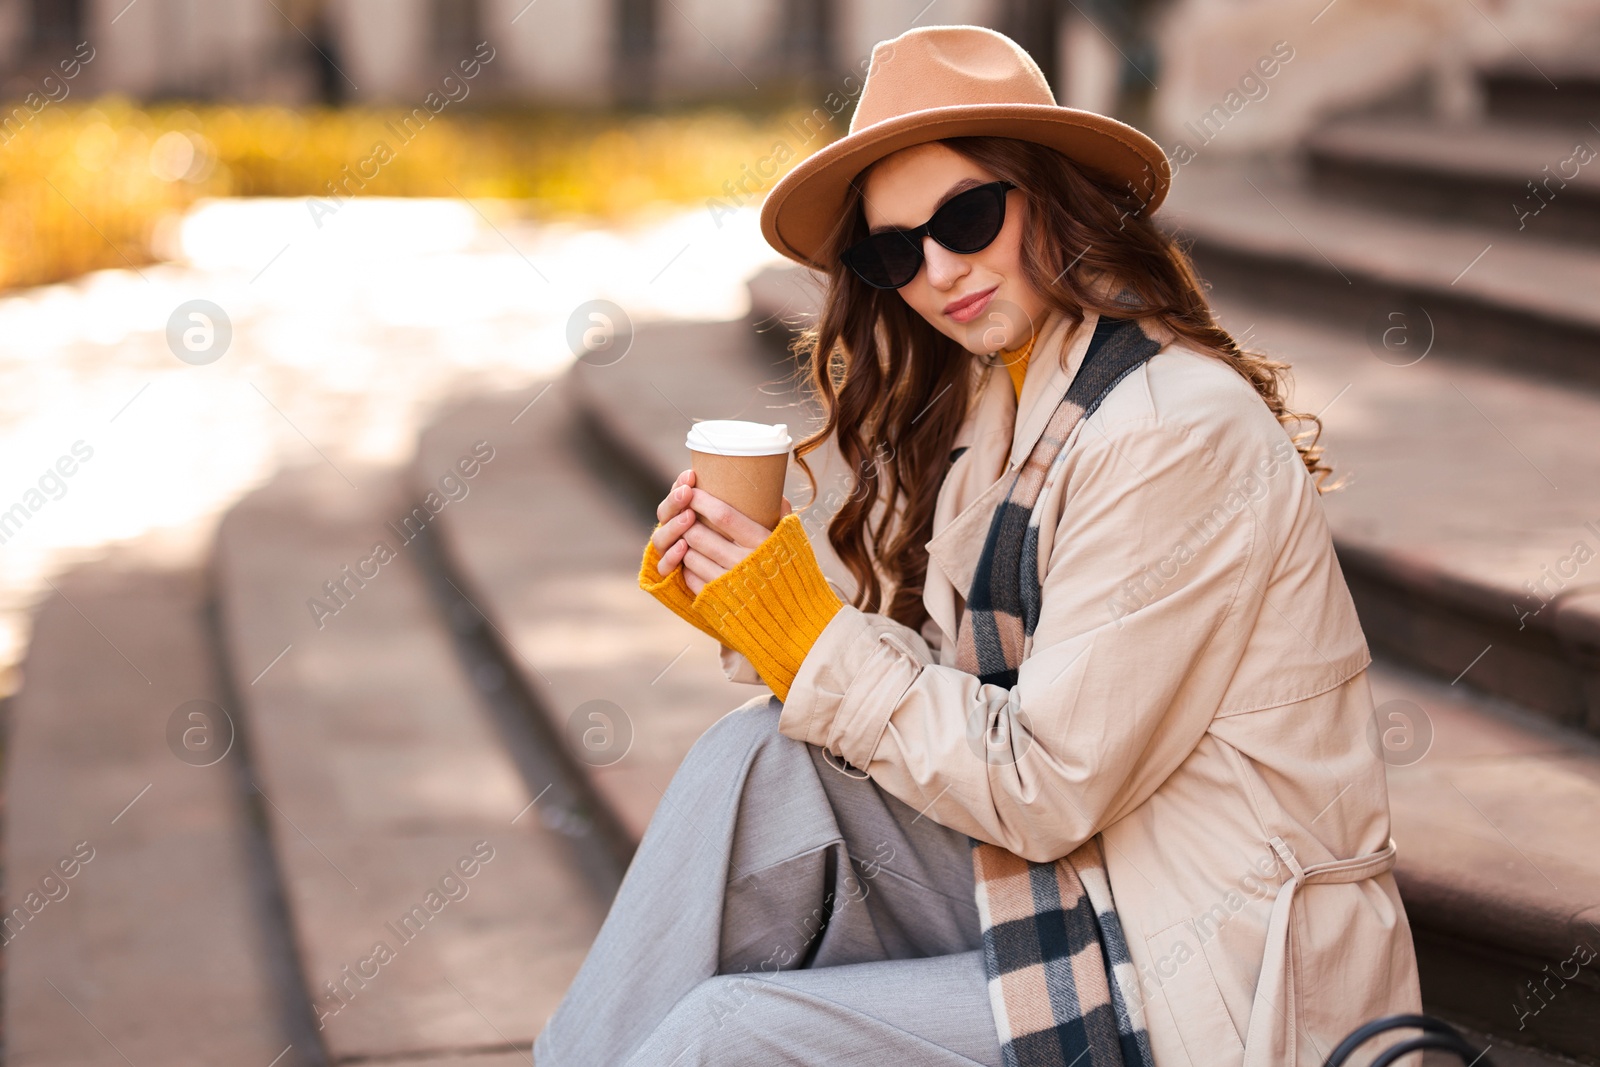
{"x": 1000, "y": 430}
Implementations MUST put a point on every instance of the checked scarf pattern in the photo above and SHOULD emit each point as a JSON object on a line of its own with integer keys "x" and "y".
{"x": 1059, "y": 975}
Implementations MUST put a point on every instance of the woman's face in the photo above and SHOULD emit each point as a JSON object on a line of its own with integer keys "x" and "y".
{"x": 903, "y": 189}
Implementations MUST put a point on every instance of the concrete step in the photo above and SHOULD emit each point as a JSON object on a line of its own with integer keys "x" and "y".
{"x": 1492, "y": 808}
{"x": 1541, "y": 182}
{"x": 1461, "y": 291}
{"x": 142, "y": 923}
{"x": 1469, "y": 532}
{"x": 434, "y": 912}
{"x": 549, "y": 550}
{"x": 1555, "y": 93}
{"x": 783, "y": 301}
{"x": 713, "y": 370}
{"x": 1502, "y": 1053}
{"x": 645, "y": 404}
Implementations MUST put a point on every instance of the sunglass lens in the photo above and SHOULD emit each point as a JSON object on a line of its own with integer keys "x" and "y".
{"x": 966, "y": 223}
{"x": 886, "y": 260}
{"x": 969, "y": 221}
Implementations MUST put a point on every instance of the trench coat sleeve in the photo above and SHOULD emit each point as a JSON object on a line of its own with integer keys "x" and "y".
{"x": 1121, "y": 682}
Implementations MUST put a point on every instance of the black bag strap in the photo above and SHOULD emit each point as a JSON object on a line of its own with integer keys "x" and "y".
{"x": 1436, "y": 1034}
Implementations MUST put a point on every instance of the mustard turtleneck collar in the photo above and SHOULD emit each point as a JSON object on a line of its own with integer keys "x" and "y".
{"x": 1016, "y": 362}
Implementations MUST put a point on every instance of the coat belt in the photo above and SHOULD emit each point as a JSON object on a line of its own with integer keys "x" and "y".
{"x": 1273, "y": 1026}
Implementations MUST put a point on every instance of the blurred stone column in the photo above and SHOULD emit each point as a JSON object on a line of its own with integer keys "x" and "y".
{"x": 807, "y": 43}
{"x": 1091, "y": 67}
{"x": 458, "y": 26}
{"x": 324, "y": 52}
{"x": 550, "y": 53}
{"x": 1034, "y": 24}
{"x": 55, "y": 25}
{"x": 35, "y": 35}
{"x": 636, "y": 45}
{"x": 1107, "y": 56}
{"x": 385, "y": 48}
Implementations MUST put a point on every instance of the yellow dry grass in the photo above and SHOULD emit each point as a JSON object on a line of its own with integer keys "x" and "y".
{"x": 84, "y": 187}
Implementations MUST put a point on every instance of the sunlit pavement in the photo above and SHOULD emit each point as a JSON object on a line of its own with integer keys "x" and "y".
{"x": 338, "y": 336}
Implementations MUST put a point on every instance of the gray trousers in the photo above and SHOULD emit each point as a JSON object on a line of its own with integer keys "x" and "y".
{"x": 780, "y": 912}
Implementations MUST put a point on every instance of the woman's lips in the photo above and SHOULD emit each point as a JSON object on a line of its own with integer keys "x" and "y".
{"x": 971, "y": 311}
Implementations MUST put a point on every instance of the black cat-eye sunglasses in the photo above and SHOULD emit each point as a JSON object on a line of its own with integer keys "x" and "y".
{"x": 965, "y": 223}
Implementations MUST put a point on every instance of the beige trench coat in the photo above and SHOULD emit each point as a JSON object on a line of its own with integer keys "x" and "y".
{"x": 1195, "y": 692}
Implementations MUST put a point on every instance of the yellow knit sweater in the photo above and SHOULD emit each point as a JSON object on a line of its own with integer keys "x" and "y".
{"x": 773, "y": 604}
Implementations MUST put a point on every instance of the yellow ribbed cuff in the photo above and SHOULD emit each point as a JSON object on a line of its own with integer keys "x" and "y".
{"x": 672, "y": 590}
{"x": 772, "y": 605}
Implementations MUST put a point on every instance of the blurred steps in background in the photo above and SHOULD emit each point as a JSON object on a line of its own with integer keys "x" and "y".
{"x": 1520, "y": 301}
{"x": 1567, "y": 93}
{"x": 151, "y": 927}
{"x": 1492, "y": 227}
{"x": 1442, "y": 315}
{"x": 548, "y": 545}
{"x": 234, "y": 872}
{"x": 1525, "y": 179}
{"x": 1471, "y": 351}
{"x": 405, "y": 811}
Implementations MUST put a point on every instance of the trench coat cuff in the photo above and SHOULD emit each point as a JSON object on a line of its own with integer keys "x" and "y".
{"x": 849, "y": 685}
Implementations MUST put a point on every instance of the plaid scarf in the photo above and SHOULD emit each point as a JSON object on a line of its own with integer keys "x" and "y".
{"x": 1061, "y": 983}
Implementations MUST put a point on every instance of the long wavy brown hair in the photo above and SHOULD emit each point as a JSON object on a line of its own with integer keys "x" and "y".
{"x": 895, "y": 390}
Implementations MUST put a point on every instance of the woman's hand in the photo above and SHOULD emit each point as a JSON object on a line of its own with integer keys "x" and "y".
{"x": 704, "y": 552}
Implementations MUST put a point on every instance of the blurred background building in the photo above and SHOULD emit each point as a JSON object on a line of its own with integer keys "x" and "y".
{"x": 1098, "y": 54}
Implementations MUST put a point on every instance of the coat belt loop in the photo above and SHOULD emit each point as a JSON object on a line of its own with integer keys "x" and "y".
{"x": 1273, "y": 1033}
{"x": 1286, "y": 854}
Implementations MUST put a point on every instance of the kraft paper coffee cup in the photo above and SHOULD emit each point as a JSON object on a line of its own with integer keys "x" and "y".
{"x": 742, "y": 464}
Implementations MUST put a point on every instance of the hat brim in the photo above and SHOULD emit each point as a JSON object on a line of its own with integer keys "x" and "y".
{"x": 802, "y": 209}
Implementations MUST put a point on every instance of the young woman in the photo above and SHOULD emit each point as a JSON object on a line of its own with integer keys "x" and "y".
{"x": 1080, "y": 774}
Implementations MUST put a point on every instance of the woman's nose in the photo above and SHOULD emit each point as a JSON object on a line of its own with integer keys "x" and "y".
{"x": 943, "y": 266}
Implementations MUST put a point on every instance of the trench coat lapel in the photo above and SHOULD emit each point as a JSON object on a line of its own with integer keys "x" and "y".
{"x": 999, "y": 432}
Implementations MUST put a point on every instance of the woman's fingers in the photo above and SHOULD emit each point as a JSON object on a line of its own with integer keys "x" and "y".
{"x": 687, "y": 537}
{"x": 743, "y": 531}
{"x": 672, "y": 557}
{"x": 710, "y": 554}
{"x": 787, "y": 508}
{"x": 671, "y": 531}
{"x": 677, "y": 498}
{"x": 700, "y": 569}
{"x": 697, "y": 570}
{"x": 674, "y": 501}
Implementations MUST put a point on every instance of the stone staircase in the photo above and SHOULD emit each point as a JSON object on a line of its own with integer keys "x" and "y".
{"x": 1460, "y": 331}
{"x": 1441, "y": 312}
{"x": 359, "y": 787}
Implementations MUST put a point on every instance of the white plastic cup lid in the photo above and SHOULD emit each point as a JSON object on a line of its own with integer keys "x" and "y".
{"x": 732, "y": 437}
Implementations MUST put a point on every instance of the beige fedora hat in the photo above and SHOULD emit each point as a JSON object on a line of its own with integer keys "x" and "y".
{"x": 934, "y": 82}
